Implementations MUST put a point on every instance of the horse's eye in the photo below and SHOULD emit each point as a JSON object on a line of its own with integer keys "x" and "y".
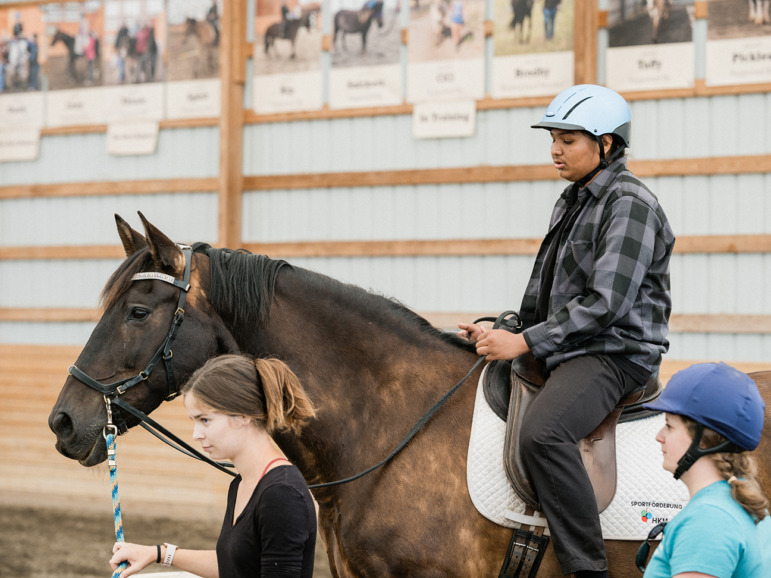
{"x": 139, "y": 314}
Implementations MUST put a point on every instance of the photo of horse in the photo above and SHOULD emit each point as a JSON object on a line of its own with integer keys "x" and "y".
{"x": 288, "y": 36}
{"x": 528, "y": 27}
{"x": 365, "y": 32}
{"x": 194, "y": 34}
{"x": 649, "y": 22}
{"x": 738, "y": 19}
{"x": 75, "y": 37}
{"x": 21, "y": 32}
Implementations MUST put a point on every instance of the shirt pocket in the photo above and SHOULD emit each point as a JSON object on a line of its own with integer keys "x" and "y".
{"x": 575, "y": 267}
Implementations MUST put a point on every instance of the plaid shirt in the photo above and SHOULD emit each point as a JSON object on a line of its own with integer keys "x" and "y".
{"x": 611, "y": 292}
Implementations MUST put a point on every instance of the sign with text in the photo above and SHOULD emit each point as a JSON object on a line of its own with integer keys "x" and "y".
{"x": 446, "y": 119}
{"x": 19, "y": 144}
{"x": 21, "y": 109}
{"x": 132, "y": 138}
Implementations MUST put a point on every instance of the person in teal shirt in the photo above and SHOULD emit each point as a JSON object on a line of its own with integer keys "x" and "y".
{"x": 714, "y": 419}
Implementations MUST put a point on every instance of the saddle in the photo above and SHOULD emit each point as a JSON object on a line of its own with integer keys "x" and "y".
{"x": 510, "y": 387}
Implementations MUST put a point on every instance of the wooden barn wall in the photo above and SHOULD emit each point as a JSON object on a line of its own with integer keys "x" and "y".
{"x": 429, "y": 222}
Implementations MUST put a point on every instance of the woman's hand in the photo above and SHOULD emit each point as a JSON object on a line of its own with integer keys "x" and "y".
{"x": 138, "y": 557}
{"x": 501, "y": 344}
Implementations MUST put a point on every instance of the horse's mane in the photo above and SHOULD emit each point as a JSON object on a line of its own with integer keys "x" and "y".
{"x": 243, "y": 286}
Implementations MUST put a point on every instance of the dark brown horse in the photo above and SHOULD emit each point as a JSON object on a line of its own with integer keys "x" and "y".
{"x": 371, "y": 366}
{"x": 357, "y": 22}
{"x": 287, "y": 30}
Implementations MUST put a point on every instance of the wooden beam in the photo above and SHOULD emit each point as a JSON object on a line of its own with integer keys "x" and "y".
{"x": 232, "y": 64}
{"x": 585, "y": 41}
{"x": 718, "y": 244}
{"x": 106, "y": 188}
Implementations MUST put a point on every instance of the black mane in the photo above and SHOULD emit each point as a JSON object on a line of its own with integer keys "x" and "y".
{"x": 243, "y": 286}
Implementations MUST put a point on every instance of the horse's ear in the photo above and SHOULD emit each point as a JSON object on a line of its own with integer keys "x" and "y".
{"x": 132, "y": 241}
{"x": 164, "y": 251}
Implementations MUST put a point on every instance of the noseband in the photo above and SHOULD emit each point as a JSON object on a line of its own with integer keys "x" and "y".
{"x": 113, "y": 391}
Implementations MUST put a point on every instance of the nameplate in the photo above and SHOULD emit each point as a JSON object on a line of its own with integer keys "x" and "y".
{"x": 446, "y": 119}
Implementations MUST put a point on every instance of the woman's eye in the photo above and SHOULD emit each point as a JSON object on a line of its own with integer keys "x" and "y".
{"x": 139, "y": 314}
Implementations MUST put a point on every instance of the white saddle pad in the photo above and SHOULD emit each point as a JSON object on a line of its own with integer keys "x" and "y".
{"x": 646, "y": 493}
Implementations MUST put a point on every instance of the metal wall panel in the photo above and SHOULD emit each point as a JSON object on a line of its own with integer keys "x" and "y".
{"x": 90, "y": 220}
{"x": 181, "y": 153}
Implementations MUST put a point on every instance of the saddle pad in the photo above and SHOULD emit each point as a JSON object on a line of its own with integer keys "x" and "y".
{"x": 646, "y": 494}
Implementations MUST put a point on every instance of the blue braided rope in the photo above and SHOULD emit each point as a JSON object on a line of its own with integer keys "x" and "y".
{"x": 113, "y": 467}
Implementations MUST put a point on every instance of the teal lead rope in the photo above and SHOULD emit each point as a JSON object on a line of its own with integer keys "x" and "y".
{"x": 110, "y": 431}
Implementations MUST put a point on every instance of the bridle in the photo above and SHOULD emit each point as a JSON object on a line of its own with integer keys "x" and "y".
{"x": 112, "y": 391}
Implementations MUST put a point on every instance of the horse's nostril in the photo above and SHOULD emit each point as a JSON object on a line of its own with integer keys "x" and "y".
{"x": 62, "y": 425}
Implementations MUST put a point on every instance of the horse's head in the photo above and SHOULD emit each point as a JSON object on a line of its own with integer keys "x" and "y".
{"x": 56, "y": 37}
{"x": 378, "y": 13}
{"x": 136, "y": 328}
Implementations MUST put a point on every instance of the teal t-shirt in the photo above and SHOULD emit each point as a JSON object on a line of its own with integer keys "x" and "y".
{"x": 714, "y": 535}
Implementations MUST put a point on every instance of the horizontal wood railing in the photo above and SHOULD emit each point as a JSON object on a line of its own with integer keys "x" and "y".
{"x": 711, "y": 244}
{"x": 730, "y": 165}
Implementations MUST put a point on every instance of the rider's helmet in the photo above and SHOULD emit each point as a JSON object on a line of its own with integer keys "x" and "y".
{"x": 717, "y": 396}
{"x": 594, "y": 109}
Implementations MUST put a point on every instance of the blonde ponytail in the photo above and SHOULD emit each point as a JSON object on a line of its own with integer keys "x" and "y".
{"x": 287, "y": 407}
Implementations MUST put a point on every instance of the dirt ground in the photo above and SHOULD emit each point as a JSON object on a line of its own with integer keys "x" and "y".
{"x": 53, "y": 543}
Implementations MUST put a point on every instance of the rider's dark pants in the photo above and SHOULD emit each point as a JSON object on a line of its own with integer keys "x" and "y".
{"x": 577, "y": 396}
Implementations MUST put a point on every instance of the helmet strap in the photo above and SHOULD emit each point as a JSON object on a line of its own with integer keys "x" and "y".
{"x": 695, "y": 452}
{"x": 604, "y": 162}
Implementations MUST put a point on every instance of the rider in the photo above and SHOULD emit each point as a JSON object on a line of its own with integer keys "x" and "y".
{"x": 596, "y": 310}
{"x": 714, "y": 418}
{"x": 285, "y": 13}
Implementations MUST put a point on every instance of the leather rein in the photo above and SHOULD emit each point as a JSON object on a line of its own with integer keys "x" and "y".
{"x": 112, "y": 391}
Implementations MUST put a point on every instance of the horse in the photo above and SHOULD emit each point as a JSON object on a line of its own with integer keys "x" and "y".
{"x": 759, "y": 12}
{"x": 658, "y": 10}
{"x": 69, "y": 42}
{"x": 522, "y": 10}
{"x": 357, "y": 22}
{"x": 287, "y": 31}
{"x": 370, "y": 365}
{"x": 203, "y": 34}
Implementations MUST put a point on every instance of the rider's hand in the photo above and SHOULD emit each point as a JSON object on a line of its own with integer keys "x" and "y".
{"x": 501, "y": 344}
{"x": 471, "y": 331}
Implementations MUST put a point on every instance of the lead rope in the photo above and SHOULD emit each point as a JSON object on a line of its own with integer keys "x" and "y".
{"x": 109, "y": 433}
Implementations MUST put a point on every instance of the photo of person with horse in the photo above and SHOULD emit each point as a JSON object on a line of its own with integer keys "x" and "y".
{"x": 193, "y": 32}
{"x": 714, "y": 420}
{"x": 20, "y": 32}
{"x": 288, "y": 36}
{"x": 237, "y": 404}
{"x": 595, "y": 312}
{"x": 76, "y": 46}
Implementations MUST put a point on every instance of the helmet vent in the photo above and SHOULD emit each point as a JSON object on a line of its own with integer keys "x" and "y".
{"x": 575, "y": 106}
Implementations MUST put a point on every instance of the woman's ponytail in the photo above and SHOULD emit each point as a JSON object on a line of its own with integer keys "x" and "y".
{"x": 287, "y": 406}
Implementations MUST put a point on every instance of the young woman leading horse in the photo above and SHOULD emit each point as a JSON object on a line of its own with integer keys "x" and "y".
{"x": 370, "y": 366}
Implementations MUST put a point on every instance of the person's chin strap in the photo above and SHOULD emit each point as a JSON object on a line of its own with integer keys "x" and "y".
{"x": 604, "y": 162}
{"x": 695, "y": 452}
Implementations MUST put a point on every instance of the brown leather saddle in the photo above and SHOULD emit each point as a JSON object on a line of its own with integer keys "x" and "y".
{"x": 510, "y": 387}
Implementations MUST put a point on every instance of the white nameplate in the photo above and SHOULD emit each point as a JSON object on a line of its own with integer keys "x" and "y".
{"x": 446, "y": 119}
{"x": 132, "y": 138}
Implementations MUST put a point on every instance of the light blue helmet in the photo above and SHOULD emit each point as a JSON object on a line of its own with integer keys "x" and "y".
{"x": 595, "y": 109}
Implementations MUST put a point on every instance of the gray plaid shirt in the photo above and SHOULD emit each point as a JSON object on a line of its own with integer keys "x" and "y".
{"x": 611, "y": 292}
